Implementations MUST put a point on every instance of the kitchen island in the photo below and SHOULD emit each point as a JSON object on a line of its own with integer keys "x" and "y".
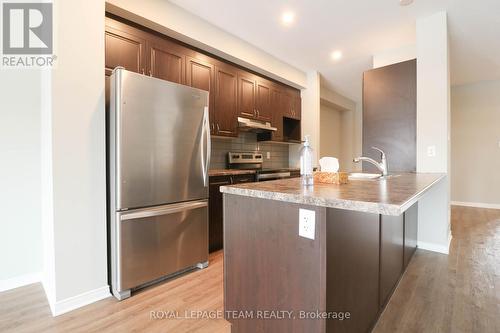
{"x": 339, "y": 277}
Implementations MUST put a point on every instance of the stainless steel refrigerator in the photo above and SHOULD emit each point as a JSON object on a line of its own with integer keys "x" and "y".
{"x": 159, "y": 151}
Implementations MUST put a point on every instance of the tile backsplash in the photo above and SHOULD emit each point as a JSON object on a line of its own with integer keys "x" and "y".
{"x": 247, "y": 141}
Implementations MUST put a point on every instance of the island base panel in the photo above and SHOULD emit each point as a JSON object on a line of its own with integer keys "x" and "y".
{"x": 268, "y": 266}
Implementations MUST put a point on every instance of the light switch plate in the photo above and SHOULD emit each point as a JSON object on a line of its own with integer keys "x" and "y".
{"x": 307, "y": 223}
{"x": 431, "y": 151}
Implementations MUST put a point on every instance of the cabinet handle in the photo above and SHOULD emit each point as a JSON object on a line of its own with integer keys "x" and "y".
{"x": 212, "y": 127}
{"x": 143, "y": 71}
{"x": 218, "y": 128}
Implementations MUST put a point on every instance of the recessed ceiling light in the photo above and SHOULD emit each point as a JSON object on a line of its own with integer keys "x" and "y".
{"x": 288, "y": 17}
{"x": 336, "y": 55}
{"x": 405, "y": 2}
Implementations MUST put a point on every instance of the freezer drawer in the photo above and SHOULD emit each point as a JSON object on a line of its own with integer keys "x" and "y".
{"x": 156, "y": 242}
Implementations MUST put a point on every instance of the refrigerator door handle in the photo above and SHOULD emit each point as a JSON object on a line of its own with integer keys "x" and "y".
{"x": 205, "y": 154}
{"x": 163, "y": 210}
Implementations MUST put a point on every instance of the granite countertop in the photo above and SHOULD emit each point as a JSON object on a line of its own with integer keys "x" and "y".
{"x": 390, "y": 196}
{"x": 229, "y": 172}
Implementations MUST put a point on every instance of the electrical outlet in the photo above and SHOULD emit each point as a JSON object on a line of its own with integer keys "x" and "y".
{"x": 431, "y": 151}
{"x": 268, "y": 155}
{"x": 307, "y": 223}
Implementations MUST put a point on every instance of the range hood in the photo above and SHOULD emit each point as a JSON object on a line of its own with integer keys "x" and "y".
{"x": 256, "y": 126}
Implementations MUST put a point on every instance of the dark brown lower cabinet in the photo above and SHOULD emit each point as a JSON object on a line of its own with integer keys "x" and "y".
{"x": 411, "y": 231}
{"x": 215, "y": 212}
{"x": 351, "y": 266}
{"x": 352, "y": 245}
{"x": 215, "y": 219}
{"x": 391, "y": 254}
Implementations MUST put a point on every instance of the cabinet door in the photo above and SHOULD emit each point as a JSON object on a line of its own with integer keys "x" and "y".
{"x": 277, "y": 112}
{"x": 352, "y": 264}
{"x": 297, "y": 108}
{"x": 201, "y": 74}
{"x": 287, "y": 104}
{"x": 226, "y": 83}
{"x": 215, "y": 230}
{"x": 167, "y": 62}
{"x": 391, "y": 254}
{"x": 123, "y": 47}
{"x": 246, "y": 96}
{"x": 411, "y": 231}
{"x": 263, "y": 101}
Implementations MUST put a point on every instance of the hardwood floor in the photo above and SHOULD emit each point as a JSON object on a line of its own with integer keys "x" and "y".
{"x": 455, "y": 293}
{"x": 26, "y": 309}
{"x": 438, "y": 293}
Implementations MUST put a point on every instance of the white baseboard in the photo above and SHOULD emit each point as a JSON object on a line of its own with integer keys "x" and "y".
{"x": 475, "y": 204}
{"x": 75, "y": 302}
{"x": 19, "y": 281}
{"x": 435, "y": 247}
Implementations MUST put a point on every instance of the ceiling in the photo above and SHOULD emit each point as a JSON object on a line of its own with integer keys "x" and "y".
{"x": 359, "y": 29}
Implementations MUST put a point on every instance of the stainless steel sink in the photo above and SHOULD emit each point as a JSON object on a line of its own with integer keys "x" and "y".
{"x": 369, "y": 176}
{"x": 364, "y": 176}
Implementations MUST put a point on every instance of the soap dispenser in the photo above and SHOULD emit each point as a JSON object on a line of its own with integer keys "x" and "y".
{"x": 306, "y": 163}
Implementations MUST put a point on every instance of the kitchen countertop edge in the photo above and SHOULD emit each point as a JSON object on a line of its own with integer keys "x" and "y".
{"x": 347, "y": 204}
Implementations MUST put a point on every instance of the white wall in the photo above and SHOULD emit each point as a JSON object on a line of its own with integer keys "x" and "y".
{"x": 171, "y": 20}
{"x": 351, "y": 129}
{"x": 310, "y": 119}
{"x": 433, "y": 128}
{"x": 74, "y": 129}
{"x": 20, "y": 235}
{"x": 330, "y": 131}
{"x": 475, "y": 143}
{"x": 393, "y": 56}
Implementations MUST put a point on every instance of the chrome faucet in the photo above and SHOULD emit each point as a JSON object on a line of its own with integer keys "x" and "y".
{"x": 382, "y": 166}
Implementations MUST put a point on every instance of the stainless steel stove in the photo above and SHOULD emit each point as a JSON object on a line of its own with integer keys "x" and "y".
{"x": 254, "y": 161}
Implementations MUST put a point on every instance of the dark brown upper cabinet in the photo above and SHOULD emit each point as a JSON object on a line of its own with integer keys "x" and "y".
{"x": 254, "y": 97}
{"x": 277, "y": 112}
{"x": 124, "y": 46}
{"x": 167, "y": 60}
{"x": 226, "y": 88}
{"x": 263, "y": 101}
{"x": 291, "y": 104}
{"x": 233, "y": 90}
{"x": 201, "y": 74}
{"x": 297, "y": 107}
{"x": 246, "y": 95}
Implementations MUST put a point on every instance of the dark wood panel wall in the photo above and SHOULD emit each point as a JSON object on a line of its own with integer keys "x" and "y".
{"x": 390, "y": 115}
{"x": 234, "y": 91}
